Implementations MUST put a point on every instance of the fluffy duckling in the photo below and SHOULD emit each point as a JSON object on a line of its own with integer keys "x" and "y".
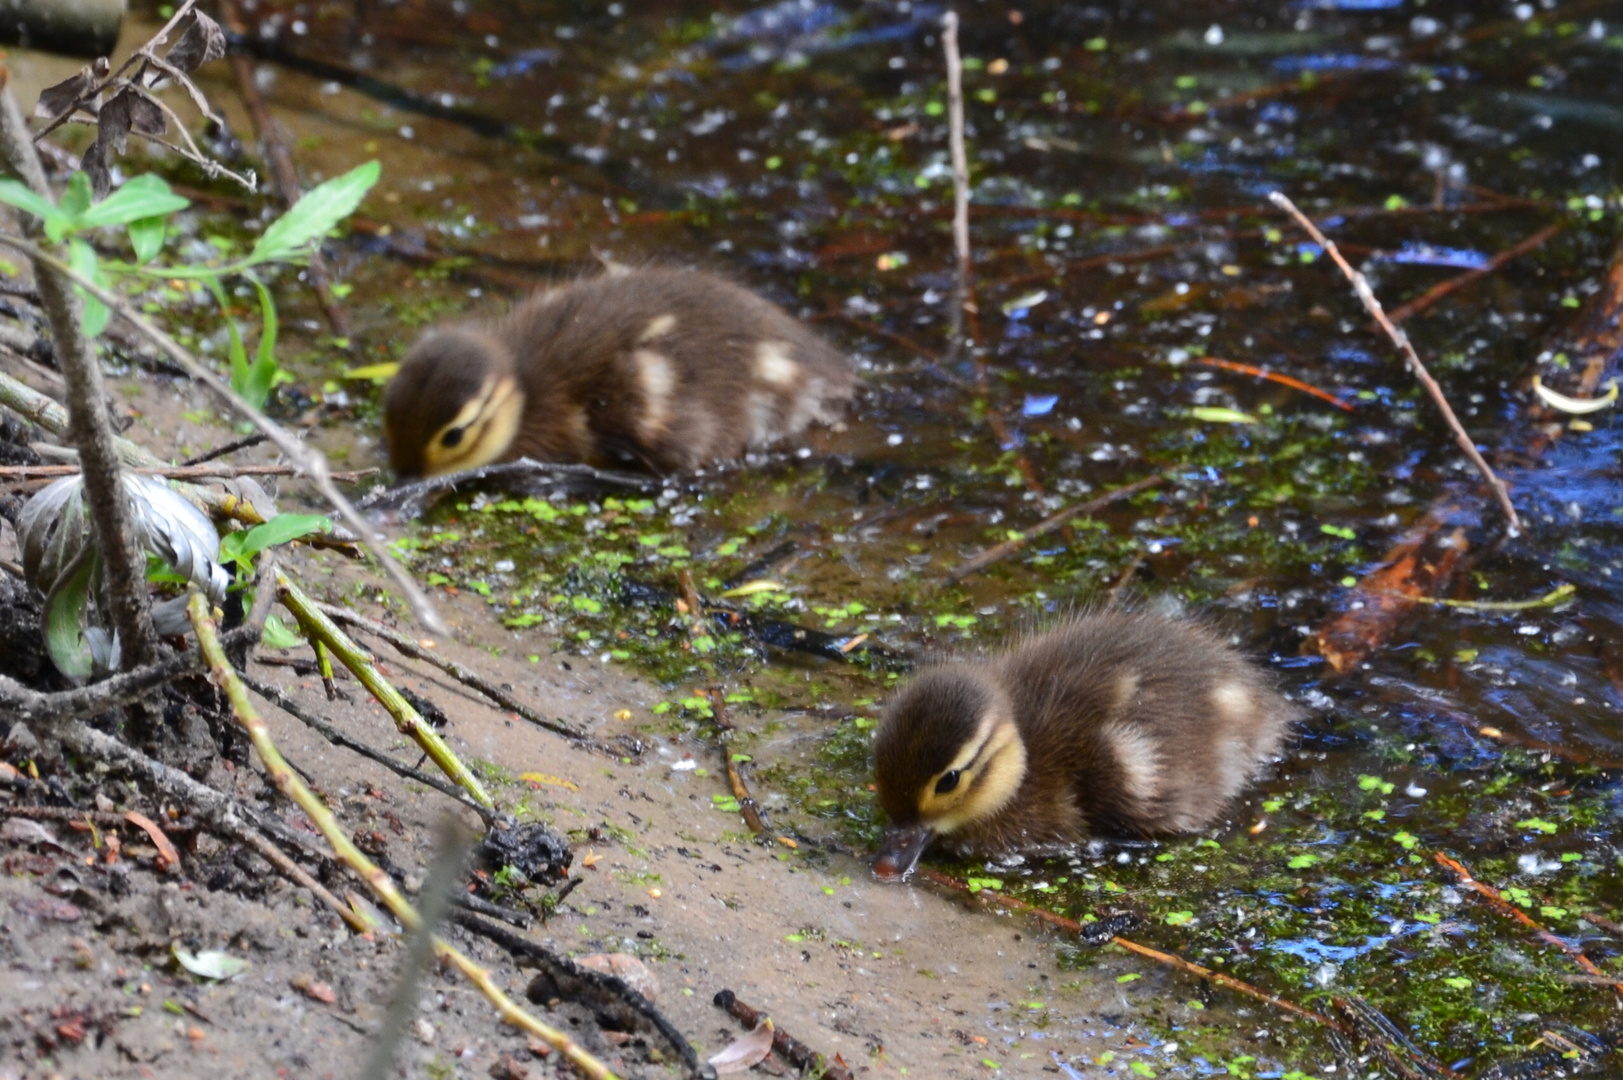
{"x": 658, "y": 369}
{"x": 1112, "y": 724}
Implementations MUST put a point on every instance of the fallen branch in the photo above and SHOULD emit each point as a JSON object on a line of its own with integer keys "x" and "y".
{"x": 286, "y": 781}
{"x": 598, "y": 990}
{"x": 754, "y": 816}
{"x": 310, "y": 461}
{"x": 1497, "y": 901}
{"x": 466, "y": 677}
{"x": 998, "y": 552}
{"x": 791, "y": 1049}
{"x": 1366, "y": 295}
{"x": 318, "y": 627}
{"x": 1445, "y": 288}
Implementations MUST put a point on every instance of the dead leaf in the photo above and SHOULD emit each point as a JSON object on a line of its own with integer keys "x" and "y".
{"x": 58, "y": 99}
{"x": 40, "y": 907}
{"x": 539, "y": 778}
{"x": 167, "y": 855}
{"x": 27, "y": 831}
{"x": 210, "y": 964}
{"x": 202, "y": 42}
{"x": 746, "y": 1051}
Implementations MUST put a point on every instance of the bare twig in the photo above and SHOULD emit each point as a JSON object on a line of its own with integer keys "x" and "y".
{"x": 287, "y": 781}
{"x": 285, "y": 702}
{"x": 180, "y": 472}
{"x": 998, "y": 552}
{"x": 466, "y": 677}
{"x": 960, "y": 156}
{"x": 1366, "y": 295}
{"x": 1497, "y": 901}
{"x": 1471, "y": 277}
{"x": 792, "y": 1050}
{"x": 754, "y": 816}
{"x": 129, "y": 603}
{"x": 1274, "y": 376}
{"x": 310, "y": 461}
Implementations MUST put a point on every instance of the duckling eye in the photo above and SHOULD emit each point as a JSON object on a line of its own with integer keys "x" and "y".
{"x": 453, "y": 437}
{"x": 947, "y": 782}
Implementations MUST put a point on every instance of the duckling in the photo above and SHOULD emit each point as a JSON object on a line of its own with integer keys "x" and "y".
{"x": 659, "y": 369}
{"x": 1112, "y": 724}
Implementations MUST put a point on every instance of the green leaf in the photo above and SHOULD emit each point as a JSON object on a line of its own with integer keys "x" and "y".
{"x": 277, "y": 635}
{"x": 146, "y": 237}
{"x": 262, "y": 376}
{"x": 1216, "y": 414}
{"x": 315, "y": 215}
{"x": 244, "y": 544}
{"x": 18, "y": 194}
{"x": 82, "y": 258}
{"x": 1458, "y": 982}
{"x": 1302, "y": 862}
{"x": 74, "y": 202}
{"x": 1537, "y": 824}
{"x": 141, "y": 197}
{"x": 236, "y": 354}
{"x": 1179, "y": 918}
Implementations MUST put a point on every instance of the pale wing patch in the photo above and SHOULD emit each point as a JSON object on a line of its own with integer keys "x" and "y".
{"x": 1234, "y": 702}
{"x": 773, "y": 365}
{"x": 762, "y": 410}
{"x": 657, "y": 327}
{"x": 1137, "y": 758}
{"x": 657, "y": 380}
{"x": 1126, "y": 690}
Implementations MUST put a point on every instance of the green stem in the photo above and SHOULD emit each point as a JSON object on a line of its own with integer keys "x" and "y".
{"x": 288, "y": 783}
{"x": 318, "y": 627}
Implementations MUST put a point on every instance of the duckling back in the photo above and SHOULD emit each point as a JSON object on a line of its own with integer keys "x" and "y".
{"x": 653, "y": 368}
{"x": 1154, "y": 725}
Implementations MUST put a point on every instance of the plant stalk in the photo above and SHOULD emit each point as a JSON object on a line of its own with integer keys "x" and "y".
{"x": 287, "y": 781}
{"x": 88, "y": 427}
{"x": 318, "y": 627}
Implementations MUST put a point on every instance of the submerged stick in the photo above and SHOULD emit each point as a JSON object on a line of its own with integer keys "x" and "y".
{"x": 1444, "y": 288}
{"x": 1497, "y": 901}
{"x": 1366, "y": 296}
{"x": 318, "y": 627}
{"x": 288, "y": 783}
{"x": 998, "y": 552}
{"x": 1274, "y": 376}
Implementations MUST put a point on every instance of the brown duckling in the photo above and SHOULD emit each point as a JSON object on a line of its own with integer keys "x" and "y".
{"x": 1110, "y": 725}
{"x": 659, "y": 369}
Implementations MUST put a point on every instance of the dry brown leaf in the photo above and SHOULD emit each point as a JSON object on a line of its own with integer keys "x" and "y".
{"x": 746, "y": 1051}
{"x": 167, "y": 855}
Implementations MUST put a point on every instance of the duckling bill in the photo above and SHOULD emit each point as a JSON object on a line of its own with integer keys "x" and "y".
{"x": 1111, "y": 725}
{"x": 657, "y": 369}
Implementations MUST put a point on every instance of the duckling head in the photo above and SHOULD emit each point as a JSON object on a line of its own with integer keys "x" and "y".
{"x": 948, "y": 755}
{"x": 455, "y": 404}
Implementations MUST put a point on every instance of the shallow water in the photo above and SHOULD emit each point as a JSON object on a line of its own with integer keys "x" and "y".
{"x": 1121, "y": 161}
